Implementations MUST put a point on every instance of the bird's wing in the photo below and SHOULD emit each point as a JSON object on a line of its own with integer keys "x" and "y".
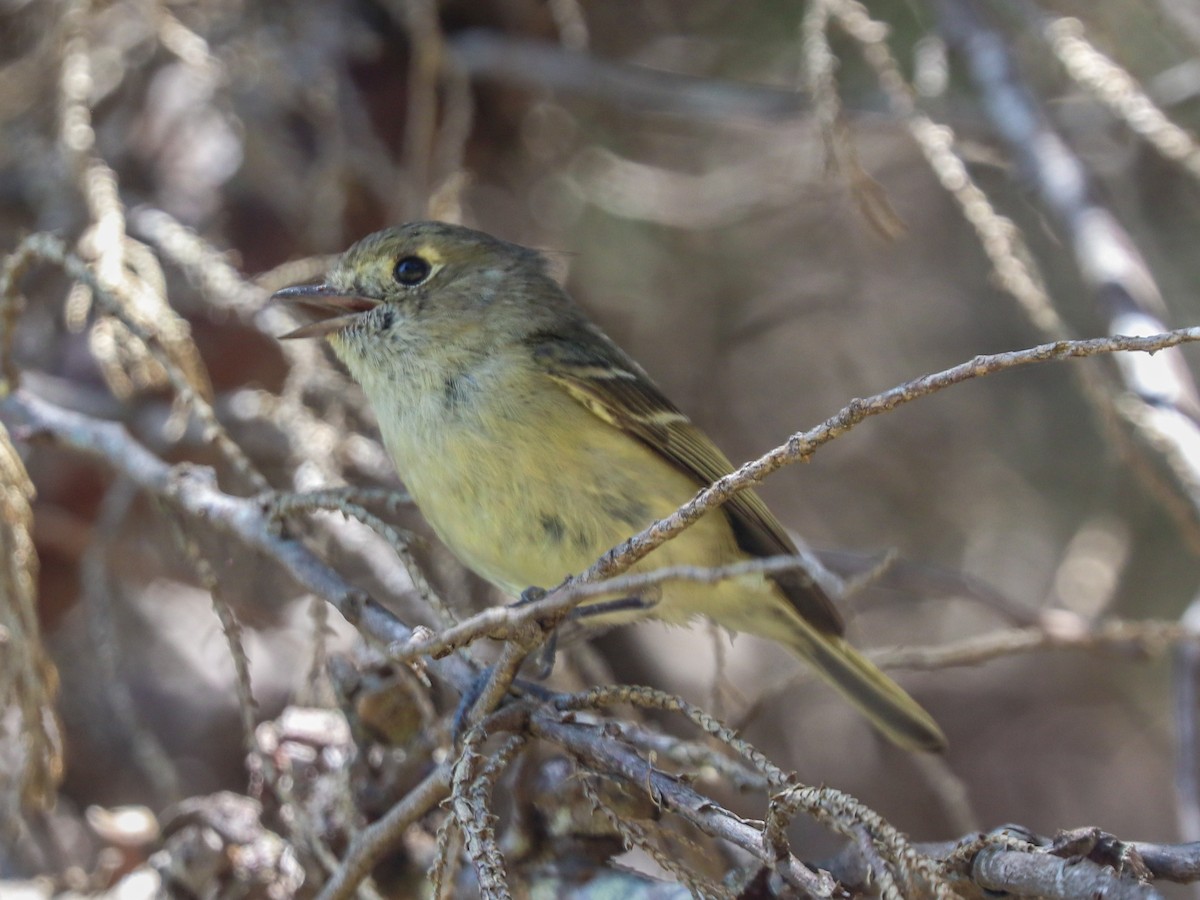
{"x": 601, "y": 377}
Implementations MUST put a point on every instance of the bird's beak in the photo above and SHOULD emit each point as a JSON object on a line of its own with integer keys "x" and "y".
{"x": 327, "y": 300}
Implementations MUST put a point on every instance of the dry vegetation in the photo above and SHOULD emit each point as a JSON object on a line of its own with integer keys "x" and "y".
{"x": 232, "y": 660}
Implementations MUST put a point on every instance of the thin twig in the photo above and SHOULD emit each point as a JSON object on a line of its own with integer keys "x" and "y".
{"x": 1121, "y": 282}
{"x": 650, "y": 698}
{"x": 373, "y": 843}
{"x": 591, "y": 745}
{"x": 231, "y": 628}
{"x": 98, "y": 594}
{"x": 475, "y": 820}
{"x": 48, "y": 248}
{"x": 634, "y": 834}
{"x": 193, "y": 490}
{"x": 1185, "y": 679}
{"x": 844, "y": 814}
{"x": 489, "y": 55}
{"x": 282, "y": 505}
{"x": 500, "y": 623}
{"x": 1146, "y": 637}
{"x": 28, "y": 678}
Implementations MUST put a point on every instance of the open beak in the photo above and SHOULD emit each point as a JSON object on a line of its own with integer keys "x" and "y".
{"x": 328, "y": 301}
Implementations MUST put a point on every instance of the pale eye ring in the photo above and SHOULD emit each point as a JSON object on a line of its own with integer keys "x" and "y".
{"x": 411, "y": 270}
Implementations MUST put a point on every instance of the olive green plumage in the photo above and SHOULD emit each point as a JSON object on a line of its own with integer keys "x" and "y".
{"x": 532, "y": 444}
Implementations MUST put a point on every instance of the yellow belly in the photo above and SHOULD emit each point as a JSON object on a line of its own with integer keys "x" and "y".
{"x": 524, "y": 505}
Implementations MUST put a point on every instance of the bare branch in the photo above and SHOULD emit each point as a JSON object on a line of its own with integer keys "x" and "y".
{"x": 191, "y": 489}
{"x": 1148, "y": 637}
{"x": 1185, "y": 679}
{"x": 589, "y": 744}
{"x": 500, "y": 623}
{"x": 476, "y": 821}
{"x": 373, "y": 843}
{"x": 1036, "y": 874}
{"x": 28, "y": 678}
{"x": 159, "y": 345}
{"x": 485, "y": 54}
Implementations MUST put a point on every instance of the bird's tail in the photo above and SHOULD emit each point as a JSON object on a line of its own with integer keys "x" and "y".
{"x": 879, "y": 698}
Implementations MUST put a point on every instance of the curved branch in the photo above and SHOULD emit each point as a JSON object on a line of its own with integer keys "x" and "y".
{"x": 192, "y": 490}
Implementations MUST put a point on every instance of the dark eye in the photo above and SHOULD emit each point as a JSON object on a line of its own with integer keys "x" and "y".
{"x": 411, "y": 270}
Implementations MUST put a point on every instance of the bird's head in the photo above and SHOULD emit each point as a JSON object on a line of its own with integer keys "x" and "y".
{"x": 439, "y": 278}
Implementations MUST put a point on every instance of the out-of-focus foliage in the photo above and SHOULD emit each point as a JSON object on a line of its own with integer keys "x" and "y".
{"x": 671, "y": 159}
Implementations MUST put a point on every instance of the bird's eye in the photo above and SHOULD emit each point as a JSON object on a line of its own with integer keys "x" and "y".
{"x": 411, "y": 270}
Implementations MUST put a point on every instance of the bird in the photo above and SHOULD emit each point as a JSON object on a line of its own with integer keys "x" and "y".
{"x": 532, "y": 444}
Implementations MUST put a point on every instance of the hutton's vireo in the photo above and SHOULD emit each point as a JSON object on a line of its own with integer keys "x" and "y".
{"x": 532, "y": 444}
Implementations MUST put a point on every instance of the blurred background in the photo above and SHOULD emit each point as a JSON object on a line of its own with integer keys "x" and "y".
{"x": 766, "y": 256}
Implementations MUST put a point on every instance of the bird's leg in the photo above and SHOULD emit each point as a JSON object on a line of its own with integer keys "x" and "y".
{"x": 472, "y": 693}
{"x": 620, "y": 604}
{"x": 545, "y": 658}
{"x": 519, "y": 688}
{"x": 531, "y": 594}
{"x": 638, "y": 603}
{"x": 546, "y": 654}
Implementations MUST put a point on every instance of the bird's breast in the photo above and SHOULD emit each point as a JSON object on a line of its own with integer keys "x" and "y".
{"x": 527, "y": 486}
